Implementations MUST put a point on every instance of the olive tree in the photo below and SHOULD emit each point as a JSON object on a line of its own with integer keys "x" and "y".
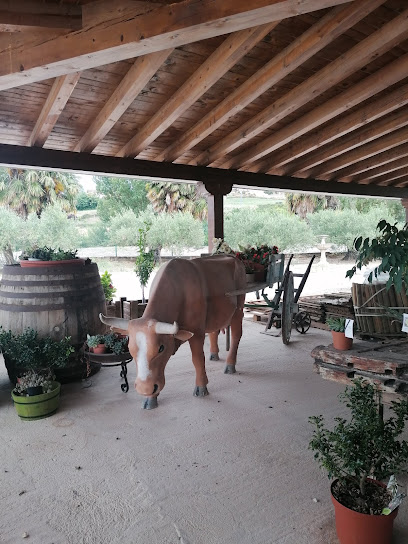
{"x": 11, "y": 232}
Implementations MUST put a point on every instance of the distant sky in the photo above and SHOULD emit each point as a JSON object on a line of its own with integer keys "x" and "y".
{"x": 87, "y": 182}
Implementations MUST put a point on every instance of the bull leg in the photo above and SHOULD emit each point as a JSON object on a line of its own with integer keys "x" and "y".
{"x": 197, "y": 351}
{"x": 236, "y": 333}
{"x": 213, "y": 336}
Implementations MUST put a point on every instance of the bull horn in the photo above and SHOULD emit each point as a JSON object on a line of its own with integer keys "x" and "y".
{"x": 166, "y": 328}
{"x": 117, "y": 322}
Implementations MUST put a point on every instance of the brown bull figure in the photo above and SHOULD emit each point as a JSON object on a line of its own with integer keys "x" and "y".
{"x": 187, "y": 300}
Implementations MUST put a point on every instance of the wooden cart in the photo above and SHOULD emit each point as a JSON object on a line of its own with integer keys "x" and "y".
{"x": 285, "y": 309}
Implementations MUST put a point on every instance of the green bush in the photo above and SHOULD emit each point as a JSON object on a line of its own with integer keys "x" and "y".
{"x": 86, "y": 201}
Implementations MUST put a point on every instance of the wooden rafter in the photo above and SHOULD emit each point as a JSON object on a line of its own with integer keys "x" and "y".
{"x": 362, "y": 136}
{"x": 136, "y": 78}
{"x": 55, "y": 103}
{"x": 361, "y": 54}
{"x": 223, "y": 59}
{"x": 161, "y": 28}
{"x": 364, "y": 166}
{"x": 386, "y": 179}
{"x": 370, "y": 175}
{"x": 333, "y": 169}
{"x": 318, "y": 36}
{"x": 16, "y": 22}
{"x": 298, "y": 152}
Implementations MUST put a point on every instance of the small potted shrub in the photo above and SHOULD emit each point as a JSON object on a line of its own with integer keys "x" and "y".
{"x": 360, "y": 454}
{"x": 337, "y": 325}
{"x": 32, "y": 361}
{"x": 96, "y": 343}
{"x": 47, "y": 256}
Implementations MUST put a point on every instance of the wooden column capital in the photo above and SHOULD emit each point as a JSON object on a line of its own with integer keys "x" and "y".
{"x": 218, "y": 188}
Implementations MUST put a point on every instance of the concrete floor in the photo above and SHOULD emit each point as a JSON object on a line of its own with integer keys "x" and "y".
{"x": 231, "y": 468}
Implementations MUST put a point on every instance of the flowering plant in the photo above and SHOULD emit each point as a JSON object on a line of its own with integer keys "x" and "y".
{"x": 220, "y": 246}
{"x": 107, "y": 286}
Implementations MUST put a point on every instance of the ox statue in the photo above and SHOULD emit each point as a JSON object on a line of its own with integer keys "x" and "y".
{"x": 188, "y": 299}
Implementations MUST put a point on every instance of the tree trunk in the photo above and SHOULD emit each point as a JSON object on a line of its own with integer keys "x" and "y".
{"x": 8, "y": 254}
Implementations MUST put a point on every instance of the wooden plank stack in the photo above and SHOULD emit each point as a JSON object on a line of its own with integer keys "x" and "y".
{"x": 383, "y": 364}
{"x": 329, "y": 305}
{"x": 128, "y": 309}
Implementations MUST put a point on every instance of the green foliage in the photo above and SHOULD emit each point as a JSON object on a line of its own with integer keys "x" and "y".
{"x": 107, "y": 286}
{"x": 52, "y": 229}
{"x": 336, "y": 324}
{"x": 394, "y": 208}
{"x": 113, "y": 342}
{"x": 124, "y": 227}
{"x": 366, "y": 445}
{"x": 343, "y": 226}
{"x": 95, "y": 340}
{"x": 49, "y": 254}
{"x": 95, "y": 236}
{"x": 391, "y": 247}
{"x": 119, "y": 194}
{"x": 178, "y": 232}
{"x": 86, "y": 201}
{"x": 304, "y": 203}
{"x": 145, "y": 261}
{"x": 29, "y": 352}
{"x": 172, "y": 197}
{"x": 11, "y": 232}
{"x": 266, "y": 225}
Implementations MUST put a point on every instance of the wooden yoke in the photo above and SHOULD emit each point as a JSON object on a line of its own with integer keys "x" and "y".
{"x": 214, "y": 192}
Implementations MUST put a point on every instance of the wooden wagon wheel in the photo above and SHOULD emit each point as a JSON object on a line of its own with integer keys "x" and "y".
{"x": 287, "y": 307}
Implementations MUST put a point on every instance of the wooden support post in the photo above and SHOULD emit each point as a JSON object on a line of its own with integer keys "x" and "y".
{"x": 214, "y": 192}
{"x": 404, "y": 202}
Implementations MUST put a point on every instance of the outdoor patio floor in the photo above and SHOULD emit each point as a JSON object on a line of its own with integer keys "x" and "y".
{"x": 230, "y": 468}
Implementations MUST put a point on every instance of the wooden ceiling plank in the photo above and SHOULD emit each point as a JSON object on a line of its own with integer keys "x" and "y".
{"x": 370, "y": 175}
{"x": 55, "y": 103}
{"x": 364, "y": 166}
{"x": 91, "y": 163}
{"x": 139, "y": 74}
{"x": 334, "y": 168}
{"x": 301, "y": 153}
{"x": 317, "y": 37}
{"x": 387, "y": 178}
{"x": 223, "y": 59}
{"x": 363, "y": 135}
{"x": 358, "y": 56}
{"x": 161, "y": 28}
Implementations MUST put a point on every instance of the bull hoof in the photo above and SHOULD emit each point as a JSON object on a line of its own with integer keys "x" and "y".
{"x": 214, "y": 357}
{"x": 229, "y": 369}
{"x": 200, "y": 391}
{"x": 149, "y": 403}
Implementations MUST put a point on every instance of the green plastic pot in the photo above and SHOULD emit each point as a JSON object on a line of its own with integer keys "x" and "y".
{"x": 38, "y": 406}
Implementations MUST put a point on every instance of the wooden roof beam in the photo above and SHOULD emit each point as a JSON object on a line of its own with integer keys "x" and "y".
{"x": 308, "y": 150}
{"x": 370, "y": 175}
{"x": 223, "y": 59}
{"x": 161, "y": 28}
{"x": 55, "y": 103}
{"x": 91, "y": 163}
{"x": 137, "y": 77}
{"x": 313, "y": 40}
{"x": 11, "y": 21}
{"x": 386, "y": 179}
{"x": 361, "y": 54}
{"x": 362, "y": 136}
{"x": 334, "y": 169}
{"x": 362, "y": 167}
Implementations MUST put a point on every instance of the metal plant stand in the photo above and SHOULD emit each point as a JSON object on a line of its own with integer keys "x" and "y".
{"x": 111, "y": 359}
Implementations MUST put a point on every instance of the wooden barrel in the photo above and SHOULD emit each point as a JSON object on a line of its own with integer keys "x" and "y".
{"x": 56, "y": 301}
{"x": 372, "y": 303}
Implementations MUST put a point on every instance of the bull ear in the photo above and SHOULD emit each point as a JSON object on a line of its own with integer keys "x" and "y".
{"x": 183, "y": 335}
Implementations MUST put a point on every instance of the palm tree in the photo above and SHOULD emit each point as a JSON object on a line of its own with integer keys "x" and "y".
{"x": 30, "y": 191}
{"x": 303, "y": 203}
{"x": 172, "y": 197}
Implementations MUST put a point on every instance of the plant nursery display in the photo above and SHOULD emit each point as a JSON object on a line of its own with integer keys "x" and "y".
{"x": 361, "y": 453}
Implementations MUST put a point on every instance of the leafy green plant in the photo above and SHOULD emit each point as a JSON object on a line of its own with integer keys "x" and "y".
{"x": 48, "y": 254}
{"x": 365, "y": 446}
{"x": 95, "y": 340}
{"x": 113, "y": 342}
{"x": 107, "y": 286}
{"x": 391, "y": 247}
{"x": 44, "y": 379}
{"x": 336, "y": 324}
{"x": 145, "y": 261}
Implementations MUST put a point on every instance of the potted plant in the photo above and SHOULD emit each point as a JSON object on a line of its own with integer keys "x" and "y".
{"x": 47, "y": 256}
{"x": 96, "y": 343}
{"x": 360, "y": 454}
{"x": 33, "y": 360}
{"x": 337, "y": 325}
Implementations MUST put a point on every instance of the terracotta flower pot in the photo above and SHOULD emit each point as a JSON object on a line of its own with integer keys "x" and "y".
{"x": 100, "y": 348}
{"x": 341, "y": 342}
{"x": 355, "y": 528}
